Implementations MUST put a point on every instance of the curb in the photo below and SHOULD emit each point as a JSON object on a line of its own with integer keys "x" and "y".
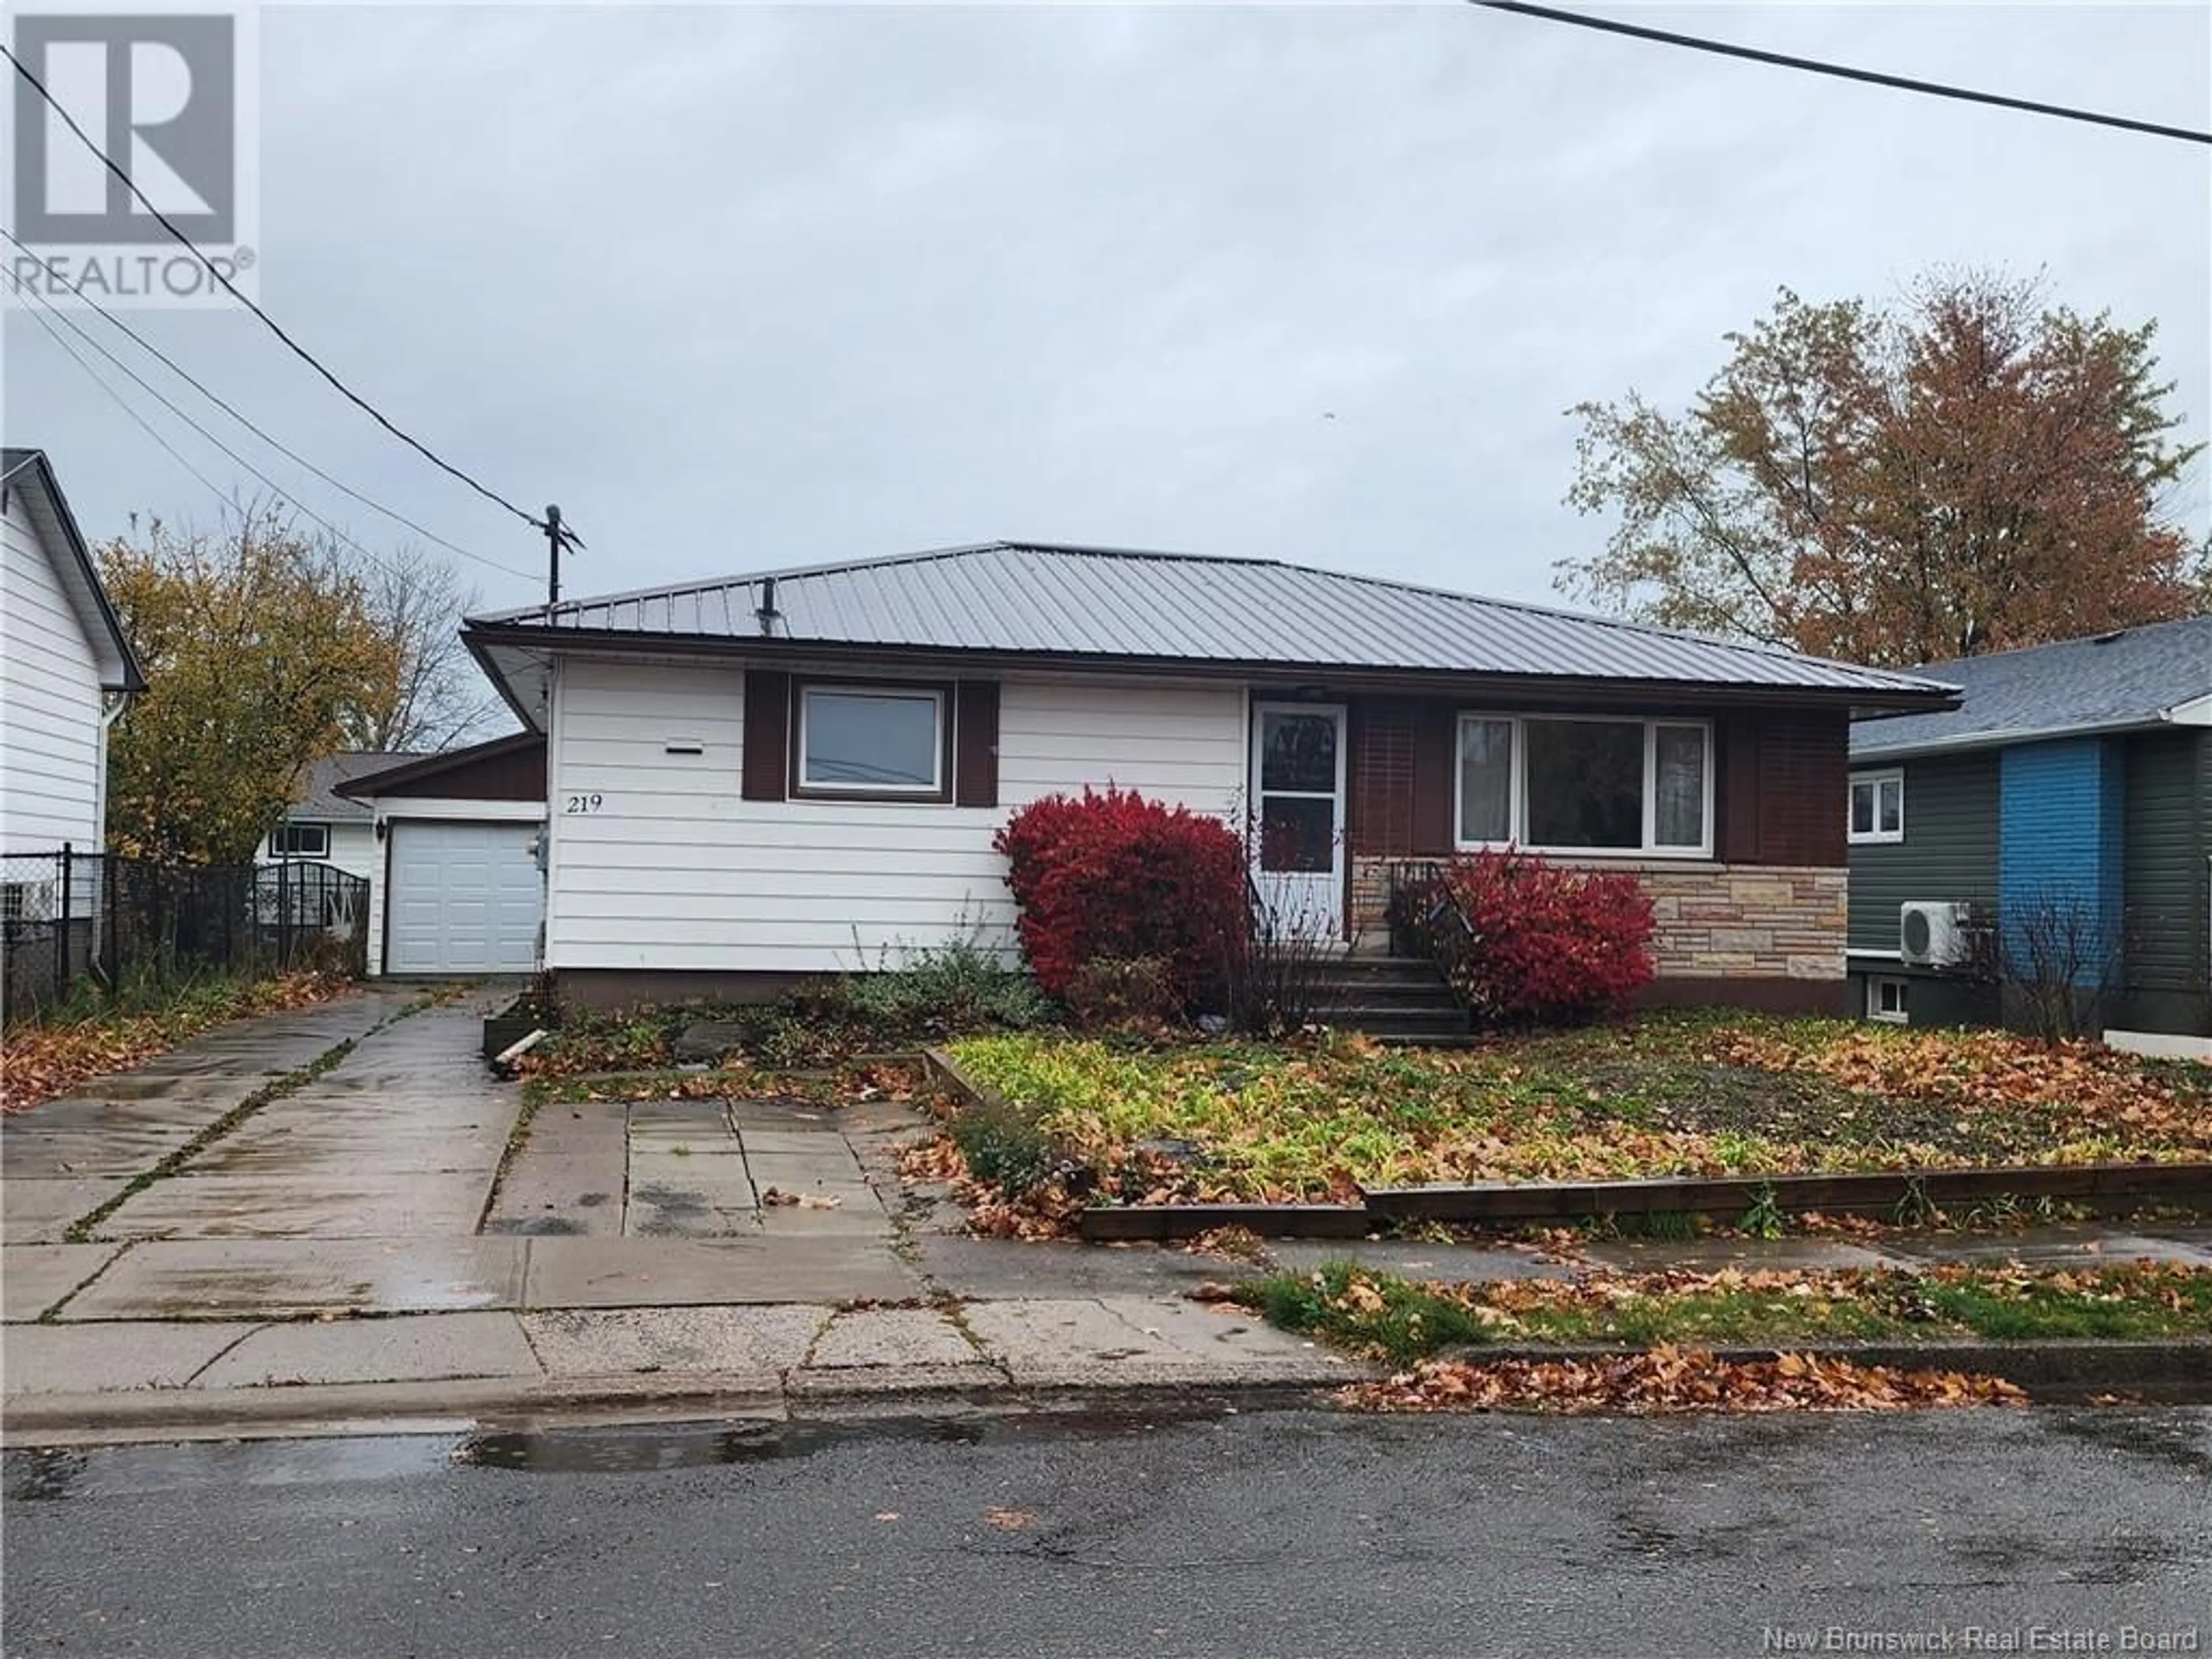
{"x": 354, "y": 1409}
{"x": 2052, "y": 1372}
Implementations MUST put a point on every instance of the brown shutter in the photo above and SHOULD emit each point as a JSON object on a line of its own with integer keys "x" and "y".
{"x": 975, "y": 743}
{"x": 1736, "y": 792}
{"x": 1436, "y": 759}
{"x": 768, "y": 734}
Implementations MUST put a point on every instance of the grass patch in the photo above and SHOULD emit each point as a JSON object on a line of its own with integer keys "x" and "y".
{"x": 1664, "y": 1095}
{"x": 1383, "y": 1316}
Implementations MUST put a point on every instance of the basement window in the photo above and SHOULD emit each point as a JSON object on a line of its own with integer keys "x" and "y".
{"x": 299, "y": 840}
{"x": 1885, "y": 999}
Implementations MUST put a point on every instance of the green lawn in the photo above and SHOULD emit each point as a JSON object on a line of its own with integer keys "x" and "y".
{"x": 1682, "y": 1095}
{"x": 1384, "y": 1317}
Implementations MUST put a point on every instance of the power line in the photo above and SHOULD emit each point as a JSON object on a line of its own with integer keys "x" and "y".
{"x": 123, "y": 403}
{"x": 1841, "y": 71}
{"x": 155, "y": 392}
{"x": 278, "y": 445}
{"x": 270, "y": 323}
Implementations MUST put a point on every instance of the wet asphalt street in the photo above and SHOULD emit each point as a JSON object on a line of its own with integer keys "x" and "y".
{"x": 1273, "y": 1534}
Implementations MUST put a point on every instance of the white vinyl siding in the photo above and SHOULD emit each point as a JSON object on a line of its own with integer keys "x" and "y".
{"x": 51, "y": 746}
{"x": 671, "y": 867}
{"x": 356, "y": 850}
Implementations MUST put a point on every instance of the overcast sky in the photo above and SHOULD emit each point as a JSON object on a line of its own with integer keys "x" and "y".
{"x": 743, "y": 289}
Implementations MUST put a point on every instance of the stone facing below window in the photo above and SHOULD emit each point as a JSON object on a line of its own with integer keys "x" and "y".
{"x": 1713, "y": 921}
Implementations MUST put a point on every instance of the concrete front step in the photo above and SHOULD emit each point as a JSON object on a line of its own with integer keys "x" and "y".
{"x": 1368, "y": 970}
{"x": 1449, "y": 1020}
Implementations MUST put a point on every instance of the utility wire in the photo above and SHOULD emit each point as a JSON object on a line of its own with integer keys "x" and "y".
{"x": 155, "y": 392}
{"x": 278, "y": 444}
{"x": 123, "y": 403}
{"x": 1815, "y": 66}
{"x": 270, "y": 323}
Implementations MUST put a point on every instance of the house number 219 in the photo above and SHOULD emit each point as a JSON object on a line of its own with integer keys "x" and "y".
{"x": 586, "y": 803}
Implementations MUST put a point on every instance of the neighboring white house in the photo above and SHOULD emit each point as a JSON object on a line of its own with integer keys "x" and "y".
{"x": 324, "y": 827}
{"x": 64, "y": 668}
{"x": 449, "y": 844}
{"x": 802, "y": 772}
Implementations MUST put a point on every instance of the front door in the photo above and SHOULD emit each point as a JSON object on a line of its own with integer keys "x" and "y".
{"x": 1297, "y": 815}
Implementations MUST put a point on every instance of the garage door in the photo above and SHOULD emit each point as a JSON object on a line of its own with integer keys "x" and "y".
{"x": 464, "y": 898}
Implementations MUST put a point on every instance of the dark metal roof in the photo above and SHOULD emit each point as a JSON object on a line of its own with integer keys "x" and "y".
{"x": 2110, "y": 682}
{"x": 29, "y": 470}
{"x": 1046, "y": 599}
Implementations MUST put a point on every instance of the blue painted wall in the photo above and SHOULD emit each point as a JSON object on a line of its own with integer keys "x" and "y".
{"x": 2061, "y": 807}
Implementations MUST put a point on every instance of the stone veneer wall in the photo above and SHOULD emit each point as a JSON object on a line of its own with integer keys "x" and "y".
{"x": 1715, "y": 921}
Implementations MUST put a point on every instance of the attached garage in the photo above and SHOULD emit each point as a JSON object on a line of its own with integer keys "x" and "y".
{"x": 463, "y": 898}
{"x": 459, "y": 888}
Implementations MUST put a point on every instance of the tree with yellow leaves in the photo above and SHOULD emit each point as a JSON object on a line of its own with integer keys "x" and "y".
{"x": 261, "y": 648}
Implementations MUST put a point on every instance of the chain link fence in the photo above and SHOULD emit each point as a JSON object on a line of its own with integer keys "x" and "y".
{"x": 67, "y": 917}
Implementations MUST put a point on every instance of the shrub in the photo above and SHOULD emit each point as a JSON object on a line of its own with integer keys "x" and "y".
{"x": 1006, "y": 1148}
{"x": 960, "y": 986}
{"x": 1542, "y": 944}
{"x": 1111, "y": 874}
{"x": 1123, "y": 991}
{"x": 1272, "y": 974}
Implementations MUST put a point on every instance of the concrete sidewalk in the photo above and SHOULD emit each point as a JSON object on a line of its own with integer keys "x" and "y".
{"x": 378, "y": 1242}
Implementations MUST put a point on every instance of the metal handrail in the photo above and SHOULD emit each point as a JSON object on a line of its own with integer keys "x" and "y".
{"x": 1436, "y": 923}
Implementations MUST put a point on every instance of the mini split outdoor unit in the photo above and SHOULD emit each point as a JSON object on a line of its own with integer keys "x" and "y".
{"x": 1932, "y": 933}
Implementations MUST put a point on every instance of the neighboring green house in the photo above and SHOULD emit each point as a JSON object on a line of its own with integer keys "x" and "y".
{"x": 2059, "y": 821}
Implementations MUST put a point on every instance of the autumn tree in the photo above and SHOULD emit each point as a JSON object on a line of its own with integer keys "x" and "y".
{"x": 260, "y": 647}
{"x": 1968, "y": 470}
{"x": 436, "y": 698}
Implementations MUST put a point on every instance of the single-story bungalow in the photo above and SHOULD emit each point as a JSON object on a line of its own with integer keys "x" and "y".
{"x": 448, "y": 843}
{"x": 762, "y": 777}
{"x": 2072, "y": 787}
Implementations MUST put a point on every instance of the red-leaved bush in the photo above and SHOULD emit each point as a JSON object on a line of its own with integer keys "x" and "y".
{"x": 1110, "y": 874}
{"x": 1549, "y": 946}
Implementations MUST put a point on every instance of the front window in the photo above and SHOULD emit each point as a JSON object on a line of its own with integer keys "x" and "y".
{"x": 858, "y": 740}
{"x": 301, "y": 840}
{"x": 1877, "y": 806}
{"x": 1560, "y": 784}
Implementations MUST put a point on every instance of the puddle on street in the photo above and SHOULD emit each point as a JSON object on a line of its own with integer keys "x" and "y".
{"x": 56, "y": 1474}
{"x": 638, "y": 1447}
{"x": 46, "y": 1473}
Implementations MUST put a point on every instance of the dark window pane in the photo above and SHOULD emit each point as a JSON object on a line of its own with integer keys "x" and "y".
{"x": 1486, "y": 780}
{"x": 1585, "y": 783}
{"x": 1298, "y": 752}
{"x": 1863, "y": 808}
{"x": 870, "y": 740}
{"x": 1298, "y": 834}
{"x": 1892, "y": 807}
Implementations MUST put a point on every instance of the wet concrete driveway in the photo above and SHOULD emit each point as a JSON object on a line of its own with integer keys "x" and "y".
{"x": 374, "y": 1187}
{"x": 69, "y": 1157}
